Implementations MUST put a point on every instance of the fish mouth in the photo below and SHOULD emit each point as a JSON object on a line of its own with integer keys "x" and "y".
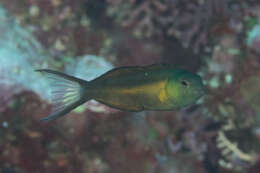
{"x": 204, "y": 90}
{"x": 200, "y": 92}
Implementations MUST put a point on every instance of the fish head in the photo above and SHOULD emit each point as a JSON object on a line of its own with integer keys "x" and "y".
{"x": 184, "y": 88}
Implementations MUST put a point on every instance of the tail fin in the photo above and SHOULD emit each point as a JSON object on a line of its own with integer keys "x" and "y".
{"x": 67, "y": 93}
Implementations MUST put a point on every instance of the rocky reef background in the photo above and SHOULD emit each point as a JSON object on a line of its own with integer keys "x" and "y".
{"x": 218, "y": 39}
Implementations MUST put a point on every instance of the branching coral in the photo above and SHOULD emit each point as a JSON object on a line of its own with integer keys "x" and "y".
{"x": 190, "y": 21}
{"x": 234, "y": 155}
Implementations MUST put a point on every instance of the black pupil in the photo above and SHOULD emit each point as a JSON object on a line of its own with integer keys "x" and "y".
{"x": 184, "y": 83}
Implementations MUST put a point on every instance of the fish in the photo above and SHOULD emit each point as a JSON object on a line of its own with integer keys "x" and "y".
{"x": 154, "y": 87}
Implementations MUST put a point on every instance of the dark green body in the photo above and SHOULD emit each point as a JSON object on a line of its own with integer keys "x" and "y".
{"x": 155, "y": 87}
{"x": 140, "y": 88}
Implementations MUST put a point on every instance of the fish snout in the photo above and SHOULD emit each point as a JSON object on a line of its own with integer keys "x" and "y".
{"x": 200, "y": 91}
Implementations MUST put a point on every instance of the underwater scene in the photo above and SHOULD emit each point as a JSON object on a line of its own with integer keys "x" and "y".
{"x": 129, "y": 86}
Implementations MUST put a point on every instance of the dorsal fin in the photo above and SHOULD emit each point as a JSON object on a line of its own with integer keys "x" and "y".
{"x": 156, "y": 66}
{"x": 124, "y": 70}
{"x": 120, "y": 71}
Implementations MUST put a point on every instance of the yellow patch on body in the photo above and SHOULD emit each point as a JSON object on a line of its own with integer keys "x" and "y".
{"x": 162, "y": 95}
{"x": 156, "y": 89}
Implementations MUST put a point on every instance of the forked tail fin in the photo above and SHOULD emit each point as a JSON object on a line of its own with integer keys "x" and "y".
{"x": 67, "y": 93}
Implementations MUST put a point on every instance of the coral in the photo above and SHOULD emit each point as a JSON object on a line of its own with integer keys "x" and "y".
{"x": 233, "y": 153}
{"x": 20, "y": 45}
{"x": 192, "y": 22}
{"x": 220, "y": 133}
{"x": 234, "y": 107}
{"x": 20, "y": 55}
{"x": 88, "y": 67}
{"x": 253, "y": 40}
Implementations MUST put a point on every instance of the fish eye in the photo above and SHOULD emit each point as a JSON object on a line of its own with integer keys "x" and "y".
{"x": 185, "y": 83}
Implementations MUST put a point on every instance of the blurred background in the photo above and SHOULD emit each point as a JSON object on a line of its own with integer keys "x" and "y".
{"x": 218, "y": 39}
